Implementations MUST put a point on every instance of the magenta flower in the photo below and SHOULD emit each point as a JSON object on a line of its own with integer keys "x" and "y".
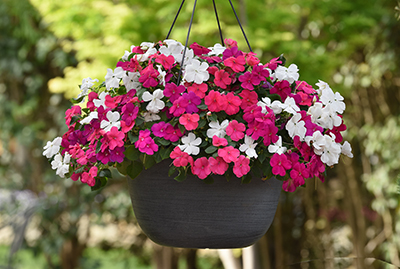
{"x": 299, "y": 173}
{"x": 217, "y": 165}
{"x": 251, "y": 113}
{"x": 201, "y": 168}
{"x": 179, "y": 107}
{"x": 260, "y": 72}
{"x": 312, "y": 128}
{"x": 103, "y": 156}
{"x": 129, "y": 113}
{"x": 270, "y": 134}
{"x": 173, "y": 91}
{"x": 232, "y": 52}
{"x": 249, "y": 80}
{"x": 222, "y": 79}
{"x": 117, "y": 155}
{"x": 143, "y": 134}
{"x": 199, "y": 50}
{"x": 193, "y": 102}
{"x": 172, "y": 134}
{"x": 235, "y": 130}
{"x": 255, "y": 130}
{"x": 282, "y": 88}
{"x": 280, "y": 164}
{"x": 190, "y": 121}
{"x": 158, "y": 129}
{"x": 132, "y": 65}
{"x": 148, "y": 77}
{"x": 241, "y": 166}
{"x": 289, "y": 185}
{"x": 229, "y": 154}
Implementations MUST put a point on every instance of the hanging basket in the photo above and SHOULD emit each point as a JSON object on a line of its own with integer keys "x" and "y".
{"x": 193, "y": 214}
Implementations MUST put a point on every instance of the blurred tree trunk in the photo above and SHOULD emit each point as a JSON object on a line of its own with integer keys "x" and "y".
{"x": 71, "y": 253}
{"x": 165, "y": 257}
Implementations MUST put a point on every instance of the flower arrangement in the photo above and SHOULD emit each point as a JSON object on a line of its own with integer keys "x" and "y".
{"x": 213, "y": 110}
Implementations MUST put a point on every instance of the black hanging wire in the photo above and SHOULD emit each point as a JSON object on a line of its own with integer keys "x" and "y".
{"x": 219, "y": 26}
{"x": 186, "y": 43}
{"x": 237, "y": 18}
{"x": 176, "y": 16}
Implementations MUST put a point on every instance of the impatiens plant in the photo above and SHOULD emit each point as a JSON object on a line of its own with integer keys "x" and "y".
{"x": 207, "y": 111}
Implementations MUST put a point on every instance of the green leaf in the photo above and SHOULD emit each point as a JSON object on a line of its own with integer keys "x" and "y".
{"x": 171, "y": 170}
{"x": 74, "y": 119}
{"x": 105, "y": 173}
{"x": 163, "y": 142}
{"x": 202, "y": 106}
{"x": 208, "y": 180}
{"x": 213, "y": 117}
{"x": 202, "y": 123}
{"x": 77, "y": 100}
{"x": 262, "y": 157}
{"x": 98, "y": 146}
{"x": 211, "y": 149}
{"x": 138, "y": 121}
{"x": 246, "y": 179}
{"x": 100, "y": 183}
{"x": 182, "y": 128}
{"x": 122, "y": 167}
{"x": 148, "y": 161}
{"x": 181, "y": 175}
{"x": 165, "y": 152}
{"x": 132, "y": 153}
{"x": 157, "y": 156}
{"x": 267, "y": 170}
{"x": 132, "y": 138}
{"x": 134, "y": 169}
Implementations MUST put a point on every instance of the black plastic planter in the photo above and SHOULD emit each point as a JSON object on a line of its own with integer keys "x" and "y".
{"x": 192, "y": 214}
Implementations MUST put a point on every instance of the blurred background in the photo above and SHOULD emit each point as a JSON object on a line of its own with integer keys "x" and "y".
{"x": 47, "y": 47}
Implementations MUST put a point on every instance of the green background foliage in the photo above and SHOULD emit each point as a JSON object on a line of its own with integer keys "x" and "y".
{"x": 48, "y": 47}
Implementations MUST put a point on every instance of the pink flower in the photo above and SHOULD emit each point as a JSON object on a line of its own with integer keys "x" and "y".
{"x": 251, "y": 113}
{"x": 273, "y": 64}
{"x": 143, "y": 134}
{"x": 193, "y": 102}
{"x": 229, "y": 154}
{"x": 241, "y": 166}
{"x": 132, "y": 65}
{"x": 251, "y": 59}
{"x": 249, "y": 98}
{"x": 199, "y": 89}
{"x": 255, "y": 130}
{"x": 201, "y": 168}
{"x": 237, "y": 64}
{"x": 89, "y": 178}
{"x": 222, "y": 79}
{"x": 173, "y": 91}
{"x": 165, "y": 61}
{"x": 260, "y": 72}
{"x": 217, "y": 165}
{"x": 180, "y": 158}
{"x": 158, "y": 129}
{"x": 230, "y": 43}
{"x": 235, "y": 130}
{"x": 211, "y": 100}
{"x": 73, "y": 111}
{"x": 280, "y": 164}
{"x": 289, "y": 185}
{"x": 117, "y": 155}
{"x": 232, "y": 104}
{"x": 190, "y": 121}
{"x": 150, "y": 146}
{"x": 115, "y": 138}
{"x": 217, "y": 141}
{"x": 282, "y": 88}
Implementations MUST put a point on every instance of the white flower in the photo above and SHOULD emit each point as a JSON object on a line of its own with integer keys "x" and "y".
{"x": 52, "y": 147}
{"x": 155, "y": 104}
{"x": 92, "y": 115}
{"x": 113, "y": 120}
{"x": 277, "y": 147}
{"x": 101, "y": 100}
{"x": 146, "y": 45}
{"x": 290, "y": 74}
{"x": 190, "y": 144}
{"x": 329, "y": 118}
{"x": 196, "y": 72}
{"x": 131, "y": 81}
{"x": 346, "y": 149}
{"x": 315, "y": 111}
{"x": 217, "y": 129}
{"x": 290, "y": 106}
{"x": 276, "y": 105}
{"x": 113, "y": 77}
{"x": 127, "y": 53}
{"x": 295, "y": 126}
{"x": 335, "y": 100}
{"x": 161, "y": 76}
{"x": 322, "y": 85}
{"x": 61, "y": 165}
{"x": 249, "y": 147}
{"x": 149, "y": 116}
{"x": 144, "y": 57}
{"x": 173, "y": 48}
{"x": 218, "y": 49}
{"x": 87, "y": 83}
{"x": 331, "y": 151}
{"x": 318, "y": 142}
